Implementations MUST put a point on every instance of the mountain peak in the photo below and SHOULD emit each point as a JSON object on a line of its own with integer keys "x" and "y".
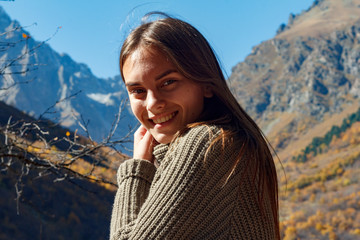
{"x": 57, "y": 78}
{"x": 321, "y": 18}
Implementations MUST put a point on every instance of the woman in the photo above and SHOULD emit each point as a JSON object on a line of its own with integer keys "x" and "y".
{"x": 201, "y": 167}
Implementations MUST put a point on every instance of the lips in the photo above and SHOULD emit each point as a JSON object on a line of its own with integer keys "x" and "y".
{"x": 164, "y": 118}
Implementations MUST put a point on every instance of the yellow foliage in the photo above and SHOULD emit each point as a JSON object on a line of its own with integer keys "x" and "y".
{"x": 298, "y": 216}
{"x": 345, "y": 137}
{"x": 333, "y": 236}
{"x": 346, "y": 182}
{"x": 290, "y": 233}
{"x": 36, "y": 150}
{"x": 29, "y": 149}
{"x": 329, "y": 184}
{"x": 339, "y": 171}
{"x": 294, "y": 198}
{"x": 302, "y": 225}
{"x": 350, "y": 211}
{"x": 312, "y": 197}
{"x": 320, "y": 215}
{"x": 323, "y": 228}
{"x": 312, "y": 220}
{"x": 353, "y": 141}
{"x": 281, "y": 226}
{"x": 335, "y": 220}
{"x": 319, "y": 227}
{"x": 314, "y": 165}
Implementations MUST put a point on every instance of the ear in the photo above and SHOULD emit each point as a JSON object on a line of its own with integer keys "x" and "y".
{"x": 208, "y": 93}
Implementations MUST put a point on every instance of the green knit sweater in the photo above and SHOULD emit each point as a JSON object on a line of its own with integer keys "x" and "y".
{"x": 187, "y": 196}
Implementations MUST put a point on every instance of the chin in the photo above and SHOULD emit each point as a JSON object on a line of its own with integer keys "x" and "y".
{"x": 164, "y": 139}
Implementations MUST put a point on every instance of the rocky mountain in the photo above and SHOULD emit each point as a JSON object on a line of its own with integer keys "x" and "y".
{"x": 303, "y": 88}
{"x": 308, "y": 73}
{"x": 45, "y": 83}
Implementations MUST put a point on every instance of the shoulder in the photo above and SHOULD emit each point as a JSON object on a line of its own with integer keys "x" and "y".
{"x": 201, "y": 134}
{"x": 193, "y": 141}
{"x": 196, "y": 140}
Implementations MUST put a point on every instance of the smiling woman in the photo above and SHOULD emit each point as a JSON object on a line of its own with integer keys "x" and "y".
{"x": 201, "y": 167}
{"x": 162, "y": 99}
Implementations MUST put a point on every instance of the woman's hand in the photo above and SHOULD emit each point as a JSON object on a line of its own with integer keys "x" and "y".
{"x": 143, "y": 144}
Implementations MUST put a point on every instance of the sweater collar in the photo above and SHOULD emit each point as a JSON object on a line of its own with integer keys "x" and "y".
{"x": 160, "y": 151}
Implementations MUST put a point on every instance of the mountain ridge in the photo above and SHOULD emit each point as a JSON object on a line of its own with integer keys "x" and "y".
{"x": 323, "y": 17}
{"x": 77, "y": 96}
{"x": 304, "y": 80}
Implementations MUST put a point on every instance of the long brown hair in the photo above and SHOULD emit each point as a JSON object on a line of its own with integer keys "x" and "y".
{"x": 193, "y": 56}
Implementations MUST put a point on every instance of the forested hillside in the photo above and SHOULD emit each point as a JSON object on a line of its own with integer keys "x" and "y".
{"x": 44, "y": 195}
{"x": 320, "y": 193}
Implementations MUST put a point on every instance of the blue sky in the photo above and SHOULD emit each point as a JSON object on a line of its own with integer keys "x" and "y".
{"x": 92, "y": 31}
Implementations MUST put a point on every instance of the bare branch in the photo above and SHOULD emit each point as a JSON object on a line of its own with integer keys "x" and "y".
{"x": 29, "y": 145}
{"x": 47, "y": 111}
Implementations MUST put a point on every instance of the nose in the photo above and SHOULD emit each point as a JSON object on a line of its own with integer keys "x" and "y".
{"x": 154, "y": 102}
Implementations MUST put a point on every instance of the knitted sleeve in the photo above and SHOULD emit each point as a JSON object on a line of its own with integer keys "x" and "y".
{"x": 134, "y": 178}
{"x": 187, "y": 198}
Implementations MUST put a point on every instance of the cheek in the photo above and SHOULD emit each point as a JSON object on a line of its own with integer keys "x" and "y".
{"x": 194, "y": 107}
{"x": 199, "y": 107}
{"x": 136, "y": 108}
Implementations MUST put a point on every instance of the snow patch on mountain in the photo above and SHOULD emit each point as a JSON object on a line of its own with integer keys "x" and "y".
{"x": 9, "y": 30}
{"x": 8, "y": 89}
{"x": 77, "y": 74}
{"x": 68, "y": 113}
{"x": 102, "y": 98}
{"x": 24, "y": 61}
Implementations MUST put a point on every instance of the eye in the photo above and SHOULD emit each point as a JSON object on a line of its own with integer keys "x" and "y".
{"x": 168, "y": 82}
{"x": 136, "y": 91}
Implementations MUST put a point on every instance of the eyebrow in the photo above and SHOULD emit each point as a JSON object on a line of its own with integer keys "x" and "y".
{"x": 160, "y": 76}
{"x": 165, "y": 74}
{"x": 131, "y": 84}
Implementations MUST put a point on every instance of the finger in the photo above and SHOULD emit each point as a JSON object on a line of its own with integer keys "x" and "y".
{"x": 148, "y": 138}
{"x": 140, "y": 132}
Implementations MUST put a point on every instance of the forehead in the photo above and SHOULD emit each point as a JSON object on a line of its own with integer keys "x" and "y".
{"x": 146, "y": 54}
{"x": 145, "y": 61}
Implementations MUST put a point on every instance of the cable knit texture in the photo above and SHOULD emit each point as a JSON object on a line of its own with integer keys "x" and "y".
{"x": 188, "y": 196}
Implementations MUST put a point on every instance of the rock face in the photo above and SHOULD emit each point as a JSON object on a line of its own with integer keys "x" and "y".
{"x": 42, "y": 77}
{"x": 311, "y": 74}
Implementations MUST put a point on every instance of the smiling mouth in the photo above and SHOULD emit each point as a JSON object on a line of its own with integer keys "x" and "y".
{"x": 164, "y": 119}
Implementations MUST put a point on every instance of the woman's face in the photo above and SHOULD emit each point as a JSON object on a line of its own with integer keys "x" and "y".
{"x": 161, "y": 98}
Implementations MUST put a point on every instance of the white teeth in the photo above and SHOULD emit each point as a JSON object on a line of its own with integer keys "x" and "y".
{"x": 164, "y": 119}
